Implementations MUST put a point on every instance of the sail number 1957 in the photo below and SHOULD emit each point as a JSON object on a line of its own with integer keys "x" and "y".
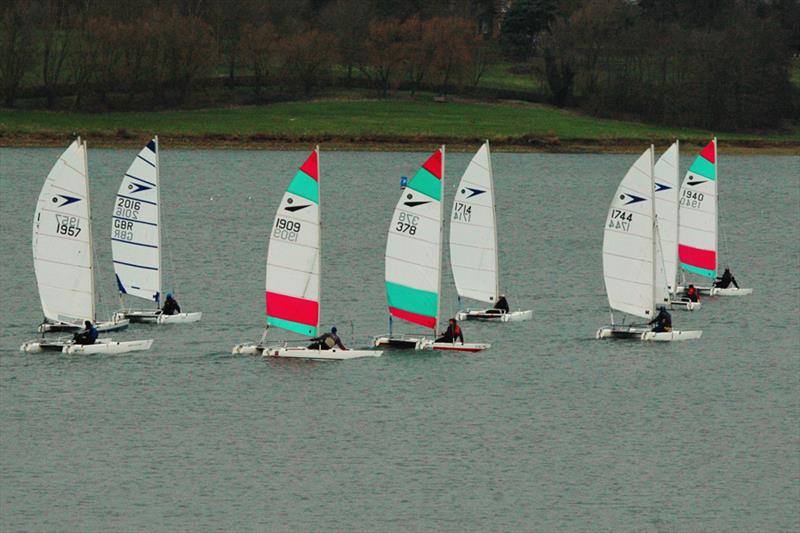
{"x": 620, "y": 220}
{"x": 66, "y": 225}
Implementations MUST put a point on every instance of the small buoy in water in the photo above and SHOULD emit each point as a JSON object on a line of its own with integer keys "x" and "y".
{"x": 212, "y": 198}
{"x": 249, "y": 197}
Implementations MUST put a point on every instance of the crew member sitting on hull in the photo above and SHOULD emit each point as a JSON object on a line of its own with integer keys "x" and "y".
{"x": 87, "y": 336}
{"x": 170, "y": 306}
{"x": 326, "y": 341}
{"x": 662, "y": 321}
{"x": 692, "y": 294}
{"x": 725, "y": 281}
{"x": 501, "y": 304}
{"x": 453, "y": 333}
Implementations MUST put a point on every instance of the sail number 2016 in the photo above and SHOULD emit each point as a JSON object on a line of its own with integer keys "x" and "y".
{"x": 620, "y": 220}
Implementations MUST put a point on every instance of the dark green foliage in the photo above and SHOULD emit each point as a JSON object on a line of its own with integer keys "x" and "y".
{"x": 522, "y": 24}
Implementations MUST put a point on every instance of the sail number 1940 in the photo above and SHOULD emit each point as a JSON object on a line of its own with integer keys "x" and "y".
{"x": 620, "y": 220}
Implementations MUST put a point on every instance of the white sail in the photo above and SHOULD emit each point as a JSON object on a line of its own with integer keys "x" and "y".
{"x": 667, "y": 182}
{"x": 697, "y": 247}
{"x": 62, "y": 240}
{"x": 414, "y": 247}
{"x": 628, "y": 244}
{"x": 135, "y": 228}
{"x": 293, "y": 260}
{"x": 473, "y": 232}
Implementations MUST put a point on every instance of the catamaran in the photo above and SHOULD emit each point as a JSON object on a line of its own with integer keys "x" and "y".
{"x": 136, "y": 240}
{"x": 473, "y": 242}
{"x": 293, "y": 272}
{"x": 666, "y": 201}
{"x": 699, "y": 222}
{"x": 63, "y": 258}
{"x": 413, "y": 258}
{"x": 630, "y": 259}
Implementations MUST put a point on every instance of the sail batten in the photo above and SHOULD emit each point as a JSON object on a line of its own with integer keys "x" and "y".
{"x": 292, "y": 296}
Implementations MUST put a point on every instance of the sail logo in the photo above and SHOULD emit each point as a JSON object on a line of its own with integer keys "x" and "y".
{"x": 67, "y": 200}
{"x": 632, "y": 198}
{"x": 473, "y": 192}
{"x": 662, "y": 187}
{"x": 692, "y": 183}
{"x": 137, "y": 187}
{"x": 294, "y": 208}
{"x": 415, "y": 204}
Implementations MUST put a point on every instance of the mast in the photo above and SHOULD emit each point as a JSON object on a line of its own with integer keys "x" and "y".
{"x": 654, "y": 226}
{"x": 674, "y": 289}
{"x": 158, "y": 221}
{"x": 494, "y": 221}
{"x": 89, "y": 224}
{"x": 319, "y": 239}
{"x": 441, "y": 237}
{"x": 716, "y": 209}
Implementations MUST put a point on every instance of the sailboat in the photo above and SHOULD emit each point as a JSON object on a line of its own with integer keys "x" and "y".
{"x": 293, "y": 271}
{"x": 629, "y": 256}
{"x": 699, "y": 225}
{"x": 666, "y": 202}
{"x": 473, "y": 242}
{"x": 413, "y": 258}
{"x": 136, "y": 239}
{"x": 63, "y": 258}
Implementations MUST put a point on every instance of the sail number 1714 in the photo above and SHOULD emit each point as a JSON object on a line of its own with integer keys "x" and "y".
{"x": 620, "y": 219}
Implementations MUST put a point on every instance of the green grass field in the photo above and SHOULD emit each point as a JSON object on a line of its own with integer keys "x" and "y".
{"x": 387, "y": 119}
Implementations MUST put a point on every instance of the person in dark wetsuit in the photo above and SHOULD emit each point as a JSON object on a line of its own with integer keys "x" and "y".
{"x": 453, "y": 333}
{"x": 326, "y": 341}
{"x": 170, "y": 306}
{"x": 87, "y": 336}
{"x": 692, "y": 294}
{"x": 662, "y": 321}
{"x": 725, "y": 281}
{"x": 501, "y": 304}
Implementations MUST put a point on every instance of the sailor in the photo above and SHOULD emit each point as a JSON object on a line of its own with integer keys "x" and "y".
{"x": 326, "y": 341}
{"x": 725, "y": 281}
{"x": 88, "y": 335}
{"x": 453, "y": 333}
{"x": 692, "y": 294}
{"x": 170, "y": 306}
{"x": 502, "y": 304}
{"x": 662, "y": 321}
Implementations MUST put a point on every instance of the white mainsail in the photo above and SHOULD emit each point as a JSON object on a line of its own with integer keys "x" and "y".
{"x": 293, "y": 260}
{"x": 135, "y": 228}
{"x": 473, "y": 232}
{"x": 667, "y": 182}
{"x": 697, "y": 248}
{"x": 62, "y": 240}
{"x": 628, "y": 242}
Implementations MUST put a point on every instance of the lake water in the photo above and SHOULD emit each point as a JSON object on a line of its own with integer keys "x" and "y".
{"x": 548, "y": 430}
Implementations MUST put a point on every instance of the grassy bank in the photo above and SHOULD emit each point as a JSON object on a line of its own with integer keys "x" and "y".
{"x": 365, "y": 124}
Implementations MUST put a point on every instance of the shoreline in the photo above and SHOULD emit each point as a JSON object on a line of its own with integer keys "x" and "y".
{"x": 383, "y": 143}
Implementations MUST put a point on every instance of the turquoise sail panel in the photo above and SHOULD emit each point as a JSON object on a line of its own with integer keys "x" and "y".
{"x": 426, "y": 183}
{"x": 296, "y": 327}
{"x": 704, "y": 167}
{"x": 410, "y": 299}
{"x": 699, "y": 271}
{"x": 304, "y": 185}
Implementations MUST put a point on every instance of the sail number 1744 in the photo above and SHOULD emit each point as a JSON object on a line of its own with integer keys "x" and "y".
{"x": 620, "y": 219}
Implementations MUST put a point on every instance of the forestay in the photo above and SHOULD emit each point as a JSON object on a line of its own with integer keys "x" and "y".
{"x": 414, "y": 247}
{"x": 628, "y": 250}
{"x": 666, "y": 204}
{"x": 62, "y": 243}
{"x": 697, "y": 245}
{"x": 135, "y": 228}
{"x": 293, "y": 260}
{"x": 473, "y": 232}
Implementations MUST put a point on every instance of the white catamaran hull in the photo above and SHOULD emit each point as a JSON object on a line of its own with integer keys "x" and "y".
{"x": 719, "y": 291}
{"x": 116, "y": 323}
{"x": 421, "y": 343}
{"x": 155, "y": 316}
{"x": 684, "y": 304}
{"x": 102, "y": 346}
{"x": 645, "y": 334}
{"x": 491, "y": 315}
{"x": 301, "y": 352}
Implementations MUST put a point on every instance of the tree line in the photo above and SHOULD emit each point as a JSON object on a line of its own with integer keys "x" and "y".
{"x": 724, "y": 64}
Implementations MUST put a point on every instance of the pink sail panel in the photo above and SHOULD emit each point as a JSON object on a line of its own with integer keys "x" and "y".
{"x": 706, "y": 259}
{"x": 293, "y": 309}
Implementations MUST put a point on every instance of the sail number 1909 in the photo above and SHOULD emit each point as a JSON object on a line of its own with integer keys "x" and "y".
{"x": 286, "y": 230}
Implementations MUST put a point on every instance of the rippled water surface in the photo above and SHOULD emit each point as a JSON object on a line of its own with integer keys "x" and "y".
{"x": 548, "y": 430}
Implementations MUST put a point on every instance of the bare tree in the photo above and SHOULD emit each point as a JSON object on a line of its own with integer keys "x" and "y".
{"x": 258, "y": 50}
{"x": 384, "y": 53}
{"x": 307, "y": 58}
{"x": 16, "y": 29}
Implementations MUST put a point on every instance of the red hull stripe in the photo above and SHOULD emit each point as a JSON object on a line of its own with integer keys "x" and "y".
{"x": 422, "y": 320}
{"x": 311, "y": 166}
{"x": 697, "y": 257}
{"x": 434, "y": 164}
{"x": 709, "y": 153}
{"x": 292, "y": 308}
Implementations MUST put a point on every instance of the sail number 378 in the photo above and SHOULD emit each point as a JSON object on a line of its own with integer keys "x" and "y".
{"x": 407, "y": 223}
{"x": 620, "y": 220}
